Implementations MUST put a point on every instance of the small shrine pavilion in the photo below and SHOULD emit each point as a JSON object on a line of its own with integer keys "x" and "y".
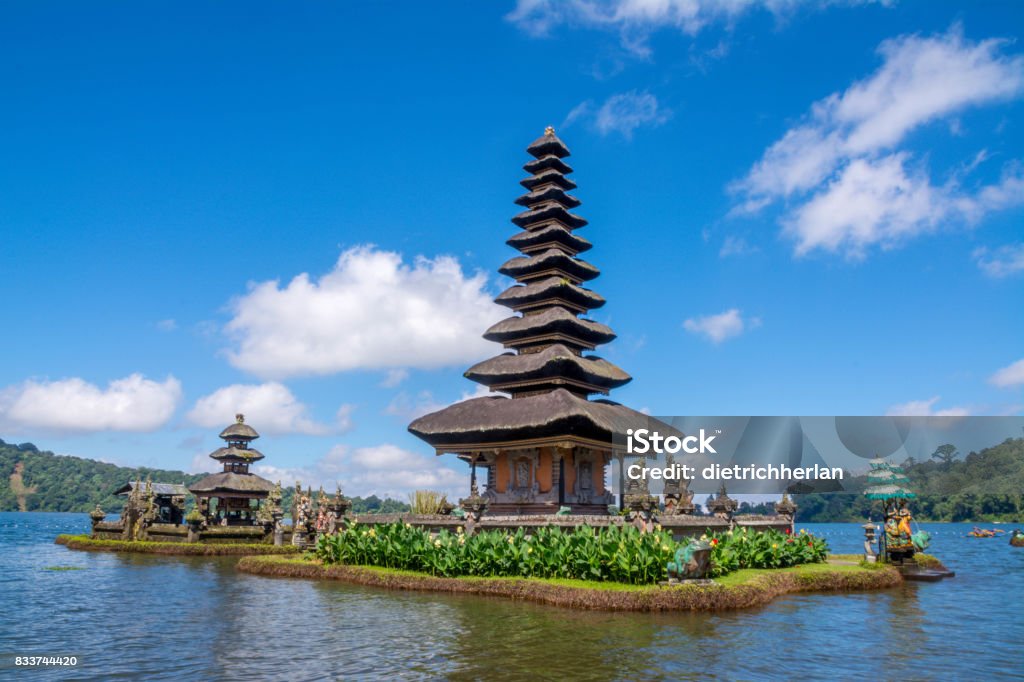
{"x": 233, "y": 496}
{"x": 168, "y": 499}
{"x": 548, "y": 445}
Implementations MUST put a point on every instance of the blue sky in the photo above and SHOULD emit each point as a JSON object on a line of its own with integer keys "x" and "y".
{"x": 798, "y": 208}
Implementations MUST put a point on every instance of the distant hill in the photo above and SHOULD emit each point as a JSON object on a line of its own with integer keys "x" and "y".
{"x": 36, "y": 480}
{"x": 983, "y": 486}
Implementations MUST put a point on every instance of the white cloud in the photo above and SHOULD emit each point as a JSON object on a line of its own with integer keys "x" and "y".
{"x": 1010, "y": 376}
{"x": 1001, "y": 262}
{"x": 167, "y": 325}
{"x": 133, "y": 403}
{"x": 413, "y": 407}
{"x": 269, "y": 408}
{"x": 636, "y": 19}
{"x": 384, "y": 470}
{"x": 925, "y": 408}
{"x": 622, "y": 113}
{"x": 394, "y": 377}
{"x": 371, "y": 311}
{"x": 846, "y": 185}
{"x": 718, "y": 328}
{"x": 735, "y": 246}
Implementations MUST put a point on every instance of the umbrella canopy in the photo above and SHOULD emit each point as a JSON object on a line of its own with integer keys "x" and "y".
{"x": 885, "y": 476}
{"x": 889, "y": 492}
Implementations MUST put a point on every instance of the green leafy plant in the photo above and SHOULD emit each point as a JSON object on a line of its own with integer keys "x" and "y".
{"x": 615, "y": 554}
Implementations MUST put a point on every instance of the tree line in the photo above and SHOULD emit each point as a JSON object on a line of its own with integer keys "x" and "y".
{"x": 43, "y": 481}
{"x": 981, "y": 486}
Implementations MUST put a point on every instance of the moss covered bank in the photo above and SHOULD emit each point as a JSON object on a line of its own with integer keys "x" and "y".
{"x": 84, "y": 542}
{"x": 742, "y": 589}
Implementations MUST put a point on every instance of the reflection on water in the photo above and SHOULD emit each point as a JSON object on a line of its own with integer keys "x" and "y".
{"x": 137, "y": 616}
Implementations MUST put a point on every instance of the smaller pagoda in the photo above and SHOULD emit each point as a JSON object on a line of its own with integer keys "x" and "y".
{"x": 234, "y": 496}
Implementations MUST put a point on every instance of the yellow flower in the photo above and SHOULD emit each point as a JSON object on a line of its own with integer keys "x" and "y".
{"x": 437, "y": 543}
{"x": 458, "y": 529}
{"x": 462, "y": 539}
{"x": 408, "y": 525}
{"x": 511, "y": 539}
{"x": 373, "y": 532}
{"x": 728, "y": 532}
{"x": 529, "y": 550}
{"x": 775, "y": 545}
{"x": 666, "y": 548}
{"x": 704, "y": 538}
{"x": 657, "y": 526}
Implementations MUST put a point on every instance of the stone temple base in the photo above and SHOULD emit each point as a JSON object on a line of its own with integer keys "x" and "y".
{"x": 544, "y": 508}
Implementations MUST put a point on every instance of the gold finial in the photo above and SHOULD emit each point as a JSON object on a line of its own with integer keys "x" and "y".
{"x": 549, "y": 131}
{"x": 239, "y": 418}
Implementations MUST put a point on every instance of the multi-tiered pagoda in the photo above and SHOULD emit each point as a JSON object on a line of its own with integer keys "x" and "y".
{"x": 549, "y": 444}
{"x": 234, "y": 496}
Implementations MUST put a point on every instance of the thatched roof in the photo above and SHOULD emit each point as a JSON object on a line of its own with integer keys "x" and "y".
{"x": 549, "y": 212}
{"x": 555, "y": 361}
{"x": 546, "y": 415}
{"x": 231, "y": 453}
{"x": 239, "y": 430}
{"x": 546, "y": 144}
{"x": 548, "y": 162}
{"x": 556, "y": 260}
{"x": 547, "y": 177}
{"x": 551, "y": 321}
{"x": 551, "y": 288}
{"x": 548, "y": 193}
{"x": 549, "y": 236}
{"x": 229, "y": 481}
{"x": 162, "y": 489}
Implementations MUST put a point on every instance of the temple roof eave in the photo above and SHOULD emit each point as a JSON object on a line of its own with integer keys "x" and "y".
{"x": 554, "y": 362}
{"x": 559, "y": 413}
{"x": 231, "y": 482}
{"x": 548, "y": 289}
{"x": 551, "y": 321}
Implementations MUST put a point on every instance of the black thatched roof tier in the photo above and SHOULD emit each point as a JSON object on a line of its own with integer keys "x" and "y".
{"x": 548, "y": 144}
{"x": 549, "y": 162}
{"x": 231, "y": 482}
{"x": 548, "y": 213}
{"x": 553, "y": 262}
{"x": 550, "y": 291}
{"x": 548, "y": 367}
{"x": 547, "y": 177}
{"x": 549, "y": 193}
{"x": 558, "y": 413}
{"x": 548, "y": 237}
{"x": 553, "y": 322}
{"x": 162, "y": 489}
{"x": 239, "y": 431}
{"x": 233, "y": 454}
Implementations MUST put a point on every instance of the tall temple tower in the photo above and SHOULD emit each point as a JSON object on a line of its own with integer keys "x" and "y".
{"x": 549, "y": 444}
{"x": 233, "y": 496}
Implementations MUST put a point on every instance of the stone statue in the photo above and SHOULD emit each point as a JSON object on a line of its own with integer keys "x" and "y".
{"x": 691, "y": 562}
{"x": 678, "y": 497}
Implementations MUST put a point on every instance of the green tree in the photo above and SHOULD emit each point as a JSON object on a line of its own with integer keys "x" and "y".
{"x": 946, "y": 454}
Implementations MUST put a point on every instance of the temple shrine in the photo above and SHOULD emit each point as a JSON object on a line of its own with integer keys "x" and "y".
{"x": 234, "y": 496}
{"x": 547, "y": 445}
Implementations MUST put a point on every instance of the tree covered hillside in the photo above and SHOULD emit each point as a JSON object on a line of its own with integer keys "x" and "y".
{"x": 36, "y": 480}
{"x": 983, "y": 486}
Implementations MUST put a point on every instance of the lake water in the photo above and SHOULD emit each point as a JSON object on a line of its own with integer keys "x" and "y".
{"x": 157, "y": 617}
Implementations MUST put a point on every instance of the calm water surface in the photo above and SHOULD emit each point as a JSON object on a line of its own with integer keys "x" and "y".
{"x": 142, "y": 617}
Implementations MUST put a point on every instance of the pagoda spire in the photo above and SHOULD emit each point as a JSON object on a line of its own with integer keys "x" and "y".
{"x": 549, "y": 333}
